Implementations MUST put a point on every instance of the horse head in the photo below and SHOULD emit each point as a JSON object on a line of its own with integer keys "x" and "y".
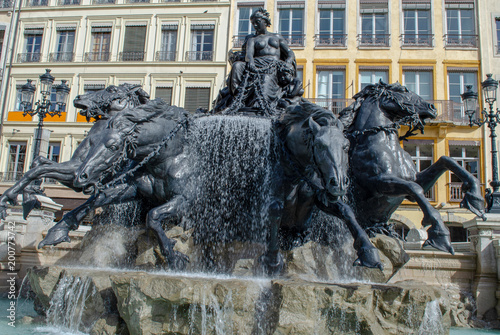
{"x": 108, "y": 101}
{"x": 317, "y": 145}
{"x": 107, "y": 154}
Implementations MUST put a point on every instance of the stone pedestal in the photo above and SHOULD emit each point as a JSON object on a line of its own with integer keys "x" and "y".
{"x": 28, "y": 233}
{"x": 484, "y": 235}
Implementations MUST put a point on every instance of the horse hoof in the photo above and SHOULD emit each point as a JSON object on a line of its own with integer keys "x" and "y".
{"x": 55, "y": 236}
{"x": 439, "y": 241}
{"x": 271, "y": 265}
{"x": 368, "y": 257}
{"x": 29, "y": 205}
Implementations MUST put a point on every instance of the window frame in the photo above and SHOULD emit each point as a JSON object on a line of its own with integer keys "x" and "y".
{"x": 418, "y": 81}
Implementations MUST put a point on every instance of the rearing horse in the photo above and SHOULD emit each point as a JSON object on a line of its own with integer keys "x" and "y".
{"x": 384, "y": 174}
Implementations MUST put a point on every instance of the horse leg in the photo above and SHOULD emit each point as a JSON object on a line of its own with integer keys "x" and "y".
{"x": 438, "y": 234}
{"x": 63, "y": 171}
{"x": 472, "y": 200}
{"x": 272, "y": 261}
{"x": 367, "y": 254}
{"x": 59, "y": 232}
{"x": 175, "y": 260}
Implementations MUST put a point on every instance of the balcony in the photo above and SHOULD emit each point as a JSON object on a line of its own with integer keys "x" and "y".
{"x": 460, "y": 41}
{"x": 170, "y": 0}
{"x": 68, "y": 2}
{"x": 295, "y": 40}
{"x": 455, "y": 191}
{"x": 335, "y": 105}
{"x": 137, "y": 1}
{"x": 10, "y": 177}
{"x": 238, "y": 40}
{"x": 61, "y": 57}
{"x": 103, "y": 2}
{"x": 449, "y": 111}
{"x": 97, "y": 56}
{"x": 165, "y": 56}
{"x": 374, "y": 40}
{"x": 196, "y": 56}
{"x": 29, "y": 57}
{"x": 37, "y": 3}
{"x": 6, "y": 4}
{"x": 335, "y": 40}
{"x": 131, "y": 56}
{"x": 420, "y": 40}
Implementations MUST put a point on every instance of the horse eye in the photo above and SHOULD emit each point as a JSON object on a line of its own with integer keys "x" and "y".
{"x": 113, "y": 147}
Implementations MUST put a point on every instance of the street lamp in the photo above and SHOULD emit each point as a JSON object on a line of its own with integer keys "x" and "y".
{"x": 491, "y": 118}
{"x": 42, "y": 108}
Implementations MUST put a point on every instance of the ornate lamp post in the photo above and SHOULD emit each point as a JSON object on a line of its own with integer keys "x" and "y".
{"x": 42, "y": 108}
{"x": 491, "y": 118}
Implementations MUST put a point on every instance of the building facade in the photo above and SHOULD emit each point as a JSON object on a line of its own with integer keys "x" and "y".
{"x": 176, "y": 50}
{"x": 432, "y": 47}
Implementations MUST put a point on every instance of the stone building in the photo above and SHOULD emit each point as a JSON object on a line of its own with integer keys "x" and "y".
{"x": 175, "y": 49}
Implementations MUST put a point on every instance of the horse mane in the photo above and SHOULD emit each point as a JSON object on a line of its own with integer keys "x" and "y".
{"x": 395, "y": 92}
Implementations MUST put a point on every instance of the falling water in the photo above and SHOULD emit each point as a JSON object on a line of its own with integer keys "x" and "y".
{"x": 230, "y": 187}
{"x": 68, "y": 304}
{"x": 432, "y": 322}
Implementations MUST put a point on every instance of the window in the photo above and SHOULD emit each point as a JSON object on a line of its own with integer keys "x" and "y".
{"x": 134, "y": 43}
{"x": 458, "y": 233}
{"x": 497, "y": 25}
{"x": 460, "y": 24}
{"x": 244, "y": 25}
{"x": 65, "y": 45}
{"x": 165, "y": 93}
{"x": 202, "y": 42}
{"x": 291, "y": 22}
{"x": 331, "y": 87}
{"x": 36, "y": 3}
{"x": 467, "y": 155}
{"x": 417, "y": 24}
{"x": 197, "y": 97}
{"x": 419, "y": 82}
{"x": 168, "y": 43}
{"x": 32, "y": 45}
{"x": 19, "y": 98}
{"x": 16, "y": 161}
{"x": 374, "y": 24}
{"x": 101, "y": 39}
{"x": 6, "y": 3}
{"x": 331, "y": 25}
{"x": 422, "y": 154}
{"x": 2, "y": 33}
{"x": 457, "y": 80}
{"x": 54, "y": 152}
{"x": 367, "y": 77}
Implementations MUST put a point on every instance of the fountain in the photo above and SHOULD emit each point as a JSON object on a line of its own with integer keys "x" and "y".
{"x": 251, "y": 225}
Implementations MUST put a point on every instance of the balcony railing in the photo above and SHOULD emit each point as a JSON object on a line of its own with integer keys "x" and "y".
{"x": 194, "y": 56}
{"x": 97, "y": 56}
{"x": 456, "y": 194}
{"x": 165, "y": 56}
{"x": 295, "y": 40}
{"x": 456, "y": 40}
{"x": 102, "y": 2}
{"x": 11, "y": 176}
{"x": 61, "y": 57}
{"x": 68, "y": 2}
{"x": 238, "y": 40}
{"x": 170, "y": 0}
{"x": 450, "y": 111}
{"x": 374, "y": 40}
{"x": 37, "y": 3}
{"x": 6, "y": 4}
{"x": 137, "y": 1}
{"x": 414, "y": 40}
{"x": 132, "y": 56}
{"x": 335, "y": 105}
{"x": 29, "y": 57}
{"x": 334, "y": 40}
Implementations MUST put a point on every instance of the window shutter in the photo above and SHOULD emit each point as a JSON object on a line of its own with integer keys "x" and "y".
{"x": 165, "y": 93}
{"x": 197, "y": 97}
{"x": 135, "y": 39}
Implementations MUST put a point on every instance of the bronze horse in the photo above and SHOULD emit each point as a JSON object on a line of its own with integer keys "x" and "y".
{"x": 384, "y": 174}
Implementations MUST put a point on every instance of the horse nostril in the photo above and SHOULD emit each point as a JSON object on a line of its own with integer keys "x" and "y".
{"x": 84, "y": 176}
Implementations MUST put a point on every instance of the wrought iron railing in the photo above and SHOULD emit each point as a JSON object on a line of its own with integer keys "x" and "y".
{"x": 374, "y": 40}
{"x": 137, "y": 1}
{"x": 61, "y": 57}
{"x": 238, "y": 40}
{"x": 97, "y": 56}
{"x": 29, "y": 57}
{"x": 68, "y": 2}
{"x": 166, "y": 56}
{"x": 430, "y": 194}
{"x": 458, "y": 40}
{"x": 294, "y": 40}
{"x": 335, "y": 105}
{"x": 193, "y": 56}
{"x": 455, "y": 192}
{"x": 330, "y": 40}
{"x": 170, "y": 0}
{"x": 6, "y": 4}
{"x": 132, "y": 56}
{"x": 103, "y": 2}
{"x": 11, "y": 176}
{"x": 37, "y": 3}
{"x": 450, "y": 111}
{"x": 417, "y": 40}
